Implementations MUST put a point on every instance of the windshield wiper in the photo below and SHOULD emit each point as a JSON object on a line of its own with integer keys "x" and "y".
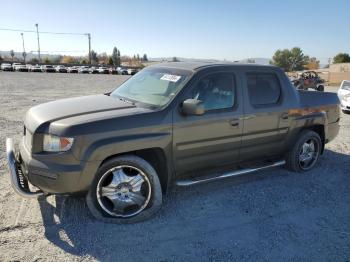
{"x": 126, "y": 101}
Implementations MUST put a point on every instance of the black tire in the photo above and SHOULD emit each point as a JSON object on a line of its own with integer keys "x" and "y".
{"x": 346, "y": 112}
{"x": 320, "y": 88}
{"x": 293, "y": 162}
{"x": 155, "y": 200}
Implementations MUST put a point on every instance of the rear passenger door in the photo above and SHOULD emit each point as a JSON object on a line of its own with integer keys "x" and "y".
{"x": 263, "y": 112}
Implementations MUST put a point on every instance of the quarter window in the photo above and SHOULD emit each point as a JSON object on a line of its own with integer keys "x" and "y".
{"x": 263, "y": 89}
{"x": 216, "y": 91}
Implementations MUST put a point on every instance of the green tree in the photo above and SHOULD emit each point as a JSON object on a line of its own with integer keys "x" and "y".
{"x": 34, "y": 60}
{"x": 110, "y": 60}
{"x": 175, "y": 59}
{"x": 290, "y": 60}
{"x": 83, "y": 61}
{"x": 1, "y": 58}
{"x": 144, "y": 58}
{"x": 281, "y": 59}
{"x": 12, "y": 54}
{"x": 341, "y": 58}
{"x": 116, "y": 56}
{"x": 298, "y": 59}
{"x": 94, "y": 58}
{"x": 47, "y": 60}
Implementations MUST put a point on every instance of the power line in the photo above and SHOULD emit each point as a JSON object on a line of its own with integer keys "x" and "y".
{"x": 52, "y": 33}
{"x": 61, "y": 51}
{"x": 41, "y": 32}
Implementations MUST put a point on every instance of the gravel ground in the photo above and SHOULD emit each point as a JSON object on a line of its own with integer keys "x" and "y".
{"x": 274, "y": 215}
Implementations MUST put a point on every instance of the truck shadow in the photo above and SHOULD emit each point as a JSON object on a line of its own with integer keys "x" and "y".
{"x": 197, "y": 219}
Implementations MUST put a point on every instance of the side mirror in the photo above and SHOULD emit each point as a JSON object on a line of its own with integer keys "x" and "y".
{"x": 192, "y": 107}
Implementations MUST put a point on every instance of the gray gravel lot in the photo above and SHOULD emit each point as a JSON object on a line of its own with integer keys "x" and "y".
{"x": 274, "y": 215}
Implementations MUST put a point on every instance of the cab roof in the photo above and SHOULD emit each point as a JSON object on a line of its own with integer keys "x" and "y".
{"x": 194, "y": 66}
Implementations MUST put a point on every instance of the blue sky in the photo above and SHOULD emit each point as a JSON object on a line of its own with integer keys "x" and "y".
{"x": 218, "y": 29}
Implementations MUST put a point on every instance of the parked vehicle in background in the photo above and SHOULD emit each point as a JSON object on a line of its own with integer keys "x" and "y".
{"x": 84, "y": 70}
{"x": 113, "y": 71}
{"x": 122, "y": 71}
{"x": 14, "y": 66}
{"x": 344, "y": 96}
{"x": 48, "y": 69}
{"x": 103, "y": 70}
{"x": 132, "y": 71}
{"x": 6, "y": 67}
{"x": 21, "y": 68}
{"x": 309, "y": 80}
{"x": 174, "y": 123}
{"x": 35, "y": 68}
{"x": 61, "y": 69}
{"x": 93, "y": 70}
{"x": 73, "y": 69}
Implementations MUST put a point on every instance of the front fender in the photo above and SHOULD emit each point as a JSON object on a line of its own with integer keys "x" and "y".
{"x": 104, "y": 148}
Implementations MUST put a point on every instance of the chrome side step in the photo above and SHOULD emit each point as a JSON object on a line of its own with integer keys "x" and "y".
{"x": 190, "y": 182}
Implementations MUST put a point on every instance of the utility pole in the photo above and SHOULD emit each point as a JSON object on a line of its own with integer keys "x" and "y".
{"x": 37, "y": 33}
{"x": 24, "y": 50}
{"x": 89, "y": 38}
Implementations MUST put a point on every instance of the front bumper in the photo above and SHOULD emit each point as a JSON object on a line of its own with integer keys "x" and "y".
{"x": 345, "y": 105}
{"x": 18, "y": 181}
{"x": 51, "y": 173}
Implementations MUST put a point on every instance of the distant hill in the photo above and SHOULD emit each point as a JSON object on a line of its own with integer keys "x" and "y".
{"x": 182, "y": 59}
{"x": 29, "y": 56}
{"x": 262, "y": 61}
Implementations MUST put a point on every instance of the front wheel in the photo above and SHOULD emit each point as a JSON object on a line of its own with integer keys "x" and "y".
{"x": 126, "y": 189}
{"x": 305, "y": 152}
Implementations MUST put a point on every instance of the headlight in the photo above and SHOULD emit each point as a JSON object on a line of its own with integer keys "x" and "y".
{"x": 57, "y": 144}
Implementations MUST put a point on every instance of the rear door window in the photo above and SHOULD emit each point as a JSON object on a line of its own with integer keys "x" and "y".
{"x": 263, "y": 89}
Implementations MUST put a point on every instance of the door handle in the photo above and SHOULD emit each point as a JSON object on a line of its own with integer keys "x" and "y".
{"x": 234, "y": 122}
{"x": 285, "y": 116}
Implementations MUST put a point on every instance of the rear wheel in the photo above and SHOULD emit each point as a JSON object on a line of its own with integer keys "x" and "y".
{"x": 301, "y": 87}
{"x": 305, "y": 152}
{"x": 320, "y": 88}
{"x": 126, "y": 190}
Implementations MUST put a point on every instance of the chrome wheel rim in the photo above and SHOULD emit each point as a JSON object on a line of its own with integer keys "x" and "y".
{"x": 308, "y": 154}
{"x": 123, "y": 191}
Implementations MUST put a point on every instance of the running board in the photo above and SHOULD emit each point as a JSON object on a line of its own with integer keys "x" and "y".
{"x": 190, "y": 182}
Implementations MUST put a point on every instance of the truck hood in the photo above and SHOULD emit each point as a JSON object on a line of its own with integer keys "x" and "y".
{"x": 39, "y": 116}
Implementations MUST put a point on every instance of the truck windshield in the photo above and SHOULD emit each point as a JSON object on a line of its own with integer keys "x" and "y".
{"x": 153, "y": 86}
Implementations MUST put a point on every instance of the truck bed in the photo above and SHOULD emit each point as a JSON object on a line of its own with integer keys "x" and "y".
{"x": 326, "y": 101}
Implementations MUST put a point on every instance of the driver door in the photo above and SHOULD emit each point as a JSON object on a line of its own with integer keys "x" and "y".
{"x": 213, "y": 139}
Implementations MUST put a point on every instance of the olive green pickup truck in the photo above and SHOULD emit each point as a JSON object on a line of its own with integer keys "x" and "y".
{"x": 172, "y": 123}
